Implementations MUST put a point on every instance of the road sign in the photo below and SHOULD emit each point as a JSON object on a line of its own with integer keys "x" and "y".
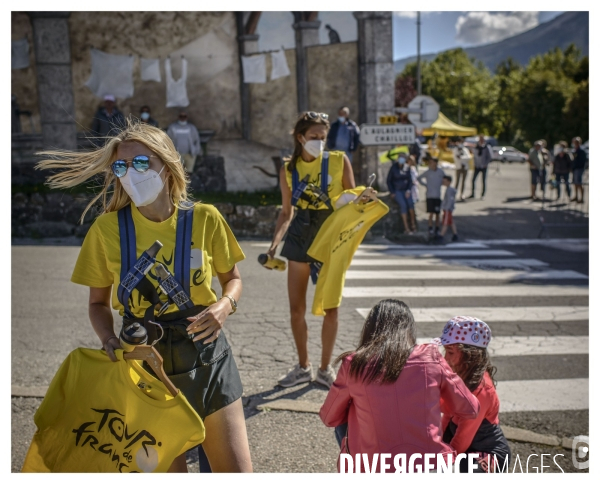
{"x": 387, "y": 134}
{"x": 423, "y": 111}
{"x": 393, "y": 119}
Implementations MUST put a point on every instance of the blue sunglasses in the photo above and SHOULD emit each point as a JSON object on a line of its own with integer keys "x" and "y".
{"x": 140, "y": 163}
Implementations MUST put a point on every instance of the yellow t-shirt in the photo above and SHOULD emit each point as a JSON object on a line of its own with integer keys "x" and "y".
{"x": 313, "y": 169}
{"x": 335, "y": 245}
{"x": 214, "y": 249}
{"x": 100, "y": 416}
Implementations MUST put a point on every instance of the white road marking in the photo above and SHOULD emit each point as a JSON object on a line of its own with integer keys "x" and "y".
{"x": 498, "y": 315}
{"x": 513, "y": 290}
{"x": 570, "y": 245}
{"x": 436, "y": 253}
{"x": 507, "y": 275}
{"x": 531, "y": 345}
{"x": 453, "y": 245}
{"x": 397, "y": 261}
{"x": 543, "y": 395}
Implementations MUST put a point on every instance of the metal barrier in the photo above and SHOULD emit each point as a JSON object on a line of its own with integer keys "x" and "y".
{"x": 562, "y": 212}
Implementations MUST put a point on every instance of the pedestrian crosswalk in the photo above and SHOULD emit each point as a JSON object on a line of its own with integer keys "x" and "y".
{"x": 549, "y": 307}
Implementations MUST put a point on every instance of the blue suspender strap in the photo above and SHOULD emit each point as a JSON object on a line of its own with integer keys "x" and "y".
{"x": 297, "y": 187}
{"x": 325, "y": 176}
{"x": 128, "y": 252}
{"x": 183, "y": 247}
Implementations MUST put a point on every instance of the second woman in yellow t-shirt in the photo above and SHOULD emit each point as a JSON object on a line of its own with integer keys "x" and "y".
{"x": 302, "y": 224}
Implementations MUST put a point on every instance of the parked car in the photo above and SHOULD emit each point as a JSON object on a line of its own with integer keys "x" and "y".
{"x": 508, "y": 153}
{"x": 473, "y": 140}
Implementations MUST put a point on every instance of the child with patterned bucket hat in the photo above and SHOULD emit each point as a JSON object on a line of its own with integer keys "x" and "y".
{"x": 465, "y": 341}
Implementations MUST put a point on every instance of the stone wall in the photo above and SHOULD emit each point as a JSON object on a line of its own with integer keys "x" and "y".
{"x": 207, "y": 39}
{"x": 333, "y": 82}
{"x": 333, "y": 78}
{"x": 23, "y": 81}
{"x": 273, "y": 107}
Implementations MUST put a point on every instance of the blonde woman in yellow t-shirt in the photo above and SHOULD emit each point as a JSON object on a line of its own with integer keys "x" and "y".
{"x": 302, "y": 223}
{"x": 144, "y": 178}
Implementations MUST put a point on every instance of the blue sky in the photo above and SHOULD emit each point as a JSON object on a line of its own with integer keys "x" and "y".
{"x": 439, "y": 30}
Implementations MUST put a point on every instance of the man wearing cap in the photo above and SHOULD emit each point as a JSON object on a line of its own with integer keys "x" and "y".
{"x": 186, "y": 139}
{"x": 537, "y": 165}
{"x": 108, "y": 120}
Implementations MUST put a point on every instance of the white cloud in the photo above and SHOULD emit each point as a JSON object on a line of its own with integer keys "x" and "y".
{"x": 413, "y": 14}
{"x": 406, "y": 14}
{"x": 486, "y": 27}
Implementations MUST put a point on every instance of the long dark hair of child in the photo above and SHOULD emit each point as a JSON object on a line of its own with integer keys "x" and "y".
{"x": 387, "y": 339}
{"x": 474, "y": 362}
{"x": 303, "y": 123}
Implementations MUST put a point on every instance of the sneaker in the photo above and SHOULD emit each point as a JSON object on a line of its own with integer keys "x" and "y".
{"x": 295, "y": 376}
{"x": 326, "y": 377}
{"x": 454, "y": 238}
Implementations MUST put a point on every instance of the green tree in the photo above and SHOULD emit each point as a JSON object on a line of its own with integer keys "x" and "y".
{"x": 464, "y": 89}
{"x": 508, "y": 77}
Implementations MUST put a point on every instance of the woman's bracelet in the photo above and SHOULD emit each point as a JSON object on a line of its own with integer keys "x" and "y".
{"x": 107, "y": 340}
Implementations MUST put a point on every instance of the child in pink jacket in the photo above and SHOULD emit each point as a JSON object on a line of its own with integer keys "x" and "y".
{"x": 388, "y": 390}
{"x": 465, "y": 341}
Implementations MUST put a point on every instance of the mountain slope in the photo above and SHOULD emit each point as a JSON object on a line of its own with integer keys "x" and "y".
{"x": 567, "y": 28}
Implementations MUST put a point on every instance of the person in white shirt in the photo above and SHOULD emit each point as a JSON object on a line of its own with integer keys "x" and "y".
{"x": 186, "y": 140}
{"x": 461, "y": 162}
{"x": 448, "y": 208}
{"x": 432, "y": 179}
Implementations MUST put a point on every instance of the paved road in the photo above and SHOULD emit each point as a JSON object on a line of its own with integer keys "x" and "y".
{"x": 540, "y": 351}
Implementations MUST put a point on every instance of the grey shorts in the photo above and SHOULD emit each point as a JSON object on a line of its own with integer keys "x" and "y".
{"x": 205, "y": 373}
{"x": 302, "y": 232}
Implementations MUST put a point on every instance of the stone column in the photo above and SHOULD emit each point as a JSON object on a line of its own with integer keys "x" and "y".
{"x": 247, "y": 44}
{"x": 307, "y": 34}
{"x": 375, "y": 79}
{"x": 55, "y": 84}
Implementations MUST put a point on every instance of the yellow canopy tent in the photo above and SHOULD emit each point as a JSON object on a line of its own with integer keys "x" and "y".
{"x": 444, "y": 127}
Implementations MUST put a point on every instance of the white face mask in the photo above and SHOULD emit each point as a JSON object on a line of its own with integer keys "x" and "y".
{"x": 183, "y": 123}
{"x": 314, "y": 147}
{"x": 342, "y": 119}
{"x": 142, "y": 188}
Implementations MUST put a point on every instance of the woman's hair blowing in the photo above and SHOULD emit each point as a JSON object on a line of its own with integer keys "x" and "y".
{"x": 387, "y": 339}
{"x": 77, "y": 167}
{"x": 302, "y": 125}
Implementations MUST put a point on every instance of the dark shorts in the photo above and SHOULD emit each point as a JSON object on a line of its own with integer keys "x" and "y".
{"x": 538, "y": 176}
{"x": 205, "y": 373}
{"x": 302, "y": 232}
{"x": 434, "y": 205}
{"x": 578, "y": 176}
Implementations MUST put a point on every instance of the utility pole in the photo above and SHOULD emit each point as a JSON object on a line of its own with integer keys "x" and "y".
{"x": 419, "y": 53}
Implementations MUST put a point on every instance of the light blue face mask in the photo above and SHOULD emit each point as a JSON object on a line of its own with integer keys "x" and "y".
{"x": 401, "y": 160}
{"x": 341, "y": 119}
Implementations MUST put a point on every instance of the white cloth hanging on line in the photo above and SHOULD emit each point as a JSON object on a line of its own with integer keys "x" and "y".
{"x": 255, "y": 69}
{"x": 176, "y": 90}
{"x": 150, "y": 69}
{"x": 19, "y": 54}
{"x": 111, "y": 74}
{"x": 279, "y": 65}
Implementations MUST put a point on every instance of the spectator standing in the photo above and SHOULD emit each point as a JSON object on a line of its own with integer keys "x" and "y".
{"x": 414, "y": 174}
{"x": 399, "y": 182}
{"x": 448, "y": 208}
{"x": 146, "y": 118}
{"x": 108, "y": 120}
{"x": 461, "y": 162}
{"x": 186, "y": 140}
{"x": 537, "y": 166}
{"x": 344, "y": 133}
{"x": 579, "y": 164}
{"x": 563, "y": 164}
{"x": 432, "y": 179}
{"x": 482, "y": 154}
{"x": 415, "y": 151}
